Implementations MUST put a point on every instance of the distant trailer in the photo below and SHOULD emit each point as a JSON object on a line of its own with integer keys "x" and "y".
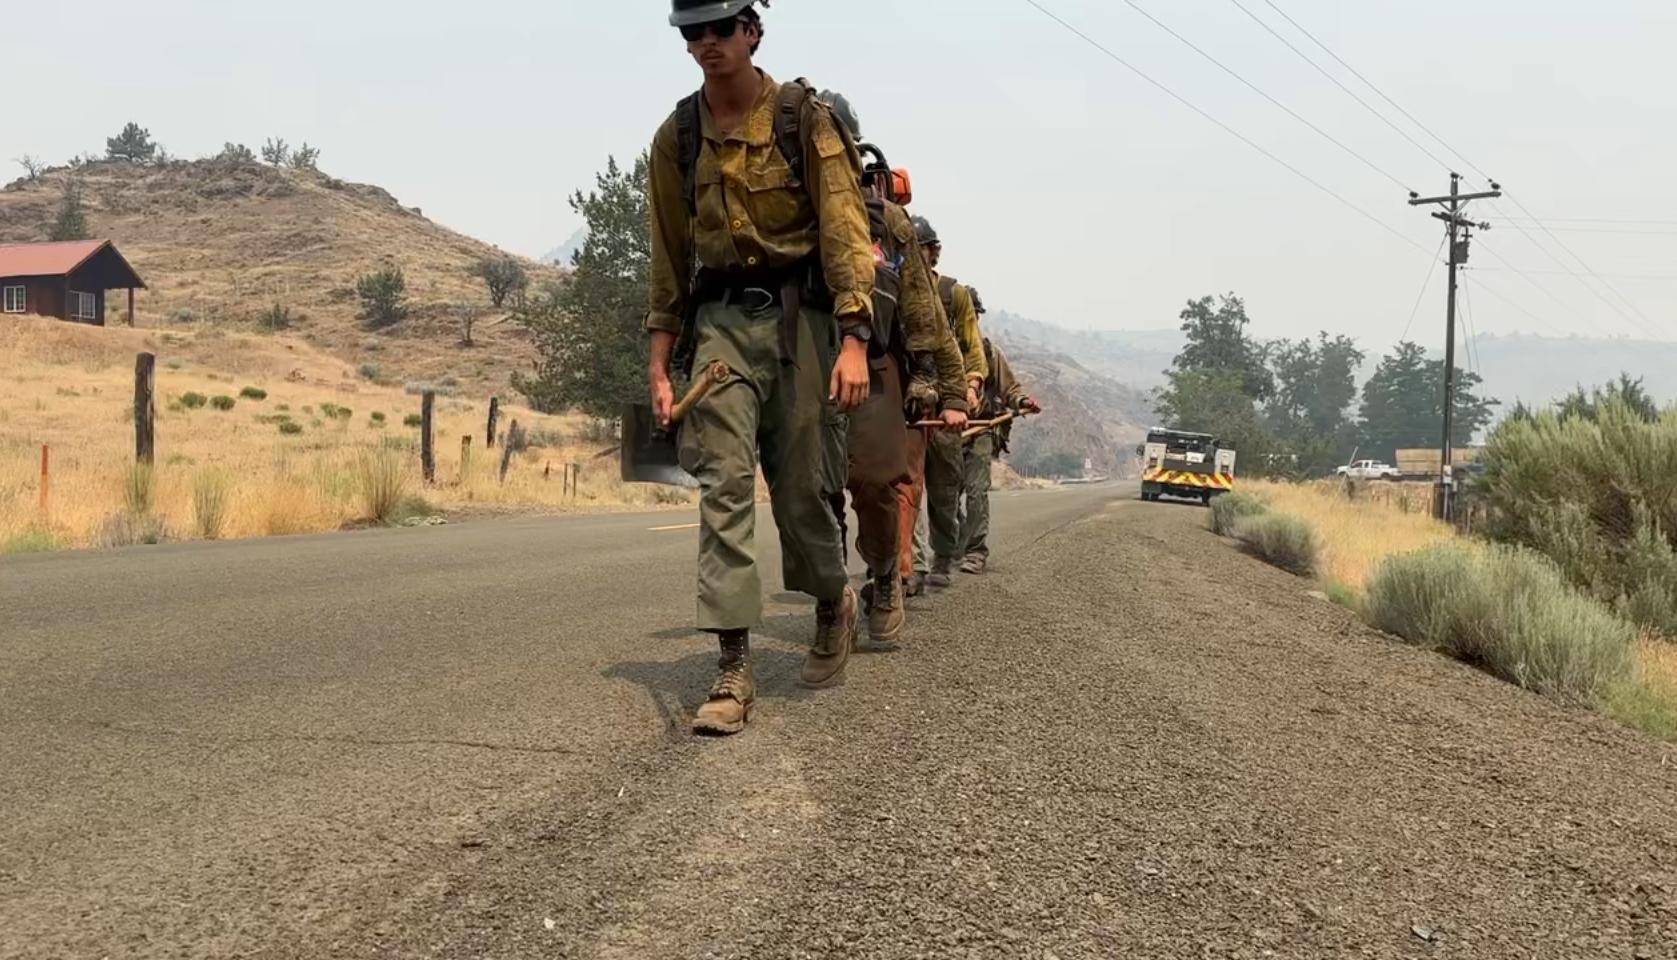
{"x": 1421, "y": 464}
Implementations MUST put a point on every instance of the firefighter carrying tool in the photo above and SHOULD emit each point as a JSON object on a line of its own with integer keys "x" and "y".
{"x": 1193, "y": 466}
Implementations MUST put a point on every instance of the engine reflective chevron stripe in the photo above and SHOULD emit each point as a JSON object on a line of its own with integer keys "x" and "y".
{"x": 1183, "y": 478}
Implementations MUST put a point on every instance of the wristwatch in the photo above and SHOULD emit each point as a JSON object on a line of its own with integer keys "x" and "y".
{"x": 862, "y": 332}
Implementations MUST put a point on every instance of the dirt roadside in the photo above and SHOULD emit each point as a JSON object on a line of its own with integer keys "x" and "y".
{"x": 1126, "y": 740}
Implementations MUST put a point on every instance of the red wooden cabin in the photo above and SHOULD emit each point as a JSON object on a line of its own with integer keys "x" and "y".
{"x": 66, "y": 280}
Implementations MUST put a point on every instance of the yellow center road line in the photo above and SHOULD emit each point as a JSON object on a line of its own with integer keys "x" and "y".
{"x": 678, "y": 526}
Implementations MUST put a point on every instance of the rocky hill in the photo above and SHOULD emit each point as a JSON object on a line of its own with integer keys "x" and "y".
{"x": 221, "y": 243}
{"x": 1086, "y": 415}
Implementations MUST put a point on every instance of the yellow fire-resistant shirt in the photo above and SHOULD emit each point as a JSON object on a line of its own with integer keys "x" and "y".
{"x": 753, "y": 215}
{"x": 963, "y": 318}
{"x": 920, "y": 310}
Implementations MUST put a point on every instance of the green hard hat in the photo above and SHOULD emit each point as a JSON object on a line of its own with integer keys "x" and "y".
{"x": 925, "y": 232}
{"x": 686, "y": 13}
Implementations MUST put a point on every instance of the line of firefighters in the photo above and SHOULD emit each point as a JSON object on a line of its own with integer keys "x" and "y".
{"x": 783, "y": 258}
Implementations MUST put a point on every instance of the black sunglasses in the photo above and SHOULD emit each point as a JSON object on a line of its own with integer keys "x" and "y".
{"x": 723, "y": 29}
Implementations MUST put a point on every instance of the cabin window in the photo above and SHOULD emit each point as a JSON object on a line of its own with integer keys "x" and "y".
{"x": 15, "y": 299}
{"x": 83, "y": 306}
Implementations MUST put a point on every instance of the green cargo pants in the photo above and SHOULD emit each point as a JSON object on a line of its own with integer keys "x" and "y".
{"x": 943, "y": 493}
{"x": 777, "y": 415}
{"x": 975, "y": 514}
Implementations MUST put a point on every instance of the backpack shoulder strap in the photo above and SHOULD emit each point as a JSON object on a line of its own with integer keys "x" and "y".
{"x": 687, "y": 148}
{"x": 789, "y": 123}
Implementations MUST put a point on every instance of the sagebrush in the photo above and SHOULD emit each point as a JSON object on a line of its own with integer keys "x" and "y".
{"x": 1508, "y": 610}
{"x": 1282, "y": 540}
{"x": 1229, "y": 509}
{"x": 1597, "y": 495}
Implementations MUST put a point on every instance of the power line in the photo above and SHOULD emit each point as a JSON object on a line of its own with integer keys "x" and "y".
{"x": 1471, "y": 278}
{"x": 1260, "y": 92}
{"x": 1336, "y": 82}
{"x": 1526, "y": 277}
{"x": 1470, "y": 343}
{"x": 1565, "y": 266}
{"x": 1432, "y": 269}
{"x": 1563, "y": 273}
{"x": 1370, "y": 84}
{"x": 1619, "y": 230}
{"x": 1554, "y": 220}
{"x": 1459, "y": 155}
{"x": 1307, "y": 178}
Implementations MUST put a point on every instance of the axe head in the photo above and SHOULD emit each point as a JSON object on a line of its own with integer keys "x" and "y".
{"x": 650, "y": 454}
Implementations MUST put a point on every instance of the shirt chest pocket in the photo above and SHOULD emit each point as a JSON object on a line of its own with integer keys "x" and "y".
{"x": 772, "y": 193}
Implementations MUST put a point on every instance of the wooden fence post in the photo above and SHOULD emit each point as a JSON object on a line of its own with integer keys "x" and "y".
{"x": 145, "y": 409}
{"x": 44, "y": 478}
{"x": 465, "y": 458}
{"x": 513, "y": 444}
{"x": 427, "y": 447}
{"x": 494, "y": 417}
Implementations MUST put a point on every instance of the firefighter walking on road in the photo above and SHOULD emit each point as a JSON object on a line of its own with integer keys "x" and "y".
{"x": 752, "y": 181}
{"x": 1001, "y": 394}
{"x": 909, "y": 334}
{"x": 944, "y": 468}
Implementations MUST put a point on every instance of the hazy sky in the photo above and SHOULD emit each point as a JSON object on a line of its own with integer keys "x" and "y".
{"x": 1065, "y": 187}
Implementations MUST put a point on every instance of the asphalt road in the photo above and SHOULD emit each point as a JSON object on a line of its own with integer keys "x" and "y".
{"x": 470, "y": 741}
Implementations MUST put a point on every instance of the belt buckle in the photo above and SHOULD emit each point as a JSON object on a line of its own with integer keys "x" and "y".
{"x": 750, "y": 302}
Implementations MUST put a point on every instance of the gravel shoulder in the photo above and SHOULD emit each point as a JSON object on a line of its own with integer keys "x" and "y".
{"x": 1126, "y": 740}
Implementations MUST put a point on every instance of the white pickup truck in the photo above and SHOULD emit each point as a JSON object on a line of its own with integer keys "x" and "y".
{"x": 1369, "y": 470}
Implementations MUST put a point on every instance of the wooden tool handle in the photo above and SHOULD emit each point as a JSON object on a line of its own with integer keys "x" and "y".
{"x": 983, "y": 425}
{"x": 713, "y": 376}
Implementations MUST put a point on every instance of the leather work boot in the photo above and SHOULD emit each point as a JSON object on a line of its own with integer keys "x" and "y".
{"x": 915, "y": 585}
{"x": 835, "y": 638}
{"x": 885, "y": 614}
{"x": 732, "y": 696}
{"x": 939, "y": 577}
{"x": 973, "y": 564}
{"x": 867, "y": 597}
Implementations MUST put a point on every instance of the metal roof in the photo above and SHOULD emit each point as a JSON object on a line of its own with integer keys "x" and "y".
{"x": 46, "y": 259}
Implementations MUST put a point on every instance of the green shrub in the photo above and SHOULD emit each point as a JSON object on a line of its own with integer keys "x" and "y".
{"x": 1596, "y": 492}
{"x": 1343, "y": 595}
{"x": 223, "y": 403}
{"x": 193, "y": 400}
{"x": 35, "y": 540}
{"x": 1229, "y": 509}
{"x": 283, "y": 407}
{"x": 370, "y": 371}
{"x": 276, "y": 317}
{"x": 290, "y": 428}
{"x": 377, "y": 416}
{"x": 382, "y": 480}
{"x": 253, "y": 393}
{"x": 413, "y": 420}
{"x": 211, "y": 498}
{"x": 139, "y": 489}
{"x": 1284, "y": 541}
{"x": 383, "y": 296}
{"x": 1508, "y": 611}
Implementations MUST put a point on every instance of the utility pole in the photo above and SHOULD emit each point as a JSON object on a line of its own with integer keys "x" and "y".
{"x": 1460, "y": 237}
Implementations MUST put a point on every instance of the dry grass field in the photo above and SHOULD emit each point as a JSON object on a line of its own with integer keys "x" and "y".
{"x": 240, "y": 472}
